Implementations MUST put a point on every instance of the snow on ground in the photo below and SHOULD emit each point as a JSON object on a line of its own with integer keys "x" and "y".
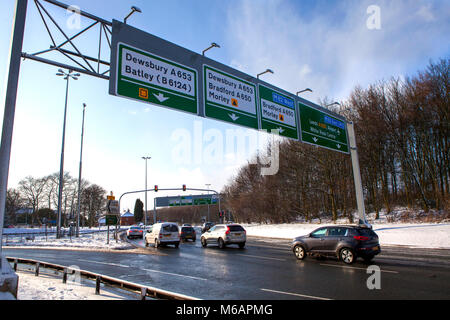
{"x": 48, "y": 287}
{"x": 95, "y": 240}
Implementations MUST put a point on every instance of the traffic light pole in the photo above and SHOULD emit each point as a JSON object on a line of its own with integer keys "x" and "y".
{"x": 169, "y": 189}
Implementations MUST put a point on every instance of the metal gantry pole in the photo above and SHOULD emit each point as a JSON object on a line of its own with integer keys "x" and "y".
{"x": 357, "y": 175}
{"x": 79, "y": 173}
{"x": 10, "y": 107}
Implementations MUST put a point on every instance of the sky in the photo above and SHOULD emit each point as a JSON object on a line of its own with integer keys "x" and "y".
{"x": 328, "y": 46}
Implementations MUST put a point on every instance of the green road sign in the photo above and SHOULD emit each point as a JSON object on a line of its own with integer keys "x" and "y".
{"x": 111, "y": 219}
{"x": 321, "y": 129}
{"x": 277, "y": 111}
{"x": 146, "y": 77}
{"x": 229, "y": 98}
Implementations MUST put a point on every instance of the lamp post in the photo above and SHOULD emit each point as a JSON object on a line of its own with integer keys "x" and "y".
{"x": 213, "y": 45}
{"x": 304, "y": 90}
{"x": 145, "y": 214}
{"x": 79, "y": 174}
{"x": 133, "y": 10}
{"x": 66, "y": 76}
{"x": 332, "y": 104}
{"x": 267, "y": 71}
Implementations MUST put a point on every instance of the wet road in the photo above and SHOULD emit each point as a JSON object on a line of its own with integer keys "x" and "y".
{"x": 264, "y": 270}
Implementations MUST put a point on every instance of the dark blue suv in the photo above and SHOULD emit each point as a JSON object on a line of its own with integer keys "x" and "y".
{"x": 345, "y": 242}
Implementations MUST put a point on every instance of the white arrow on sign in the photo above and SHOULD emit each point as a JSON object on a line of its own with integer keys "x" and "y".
{"x": 280, "y": 129}
{"x": 233, "y": 117}
{"x": 338, "y": 145}
{"x": 315, "y": 139}
{"x": 160, "y": 97}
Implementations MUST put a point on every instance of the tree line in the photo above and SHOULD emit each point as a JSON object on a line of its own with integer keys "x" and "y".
{"x": 402, "y": 132}
{"x": 40, "y": 197}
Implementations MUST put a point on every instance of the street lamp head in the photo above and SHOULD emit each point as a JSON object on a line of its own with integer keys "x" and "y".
{"x": 213, "y": 45}
{"x": 304, "y": 90}
{"x": 267, "y": 71}
{"x": 134, "y": 8}
{"x": 332, "y": 104}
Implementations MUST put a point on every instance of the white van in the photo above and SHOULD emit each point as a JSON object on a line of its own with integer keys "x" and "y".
{"x": 163, "y": 234}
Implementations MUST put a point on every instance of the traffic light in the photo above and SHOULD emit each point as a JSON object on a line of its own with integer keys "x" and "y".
{"x": 156, "y": 188}
{"x": 184, "y": 187}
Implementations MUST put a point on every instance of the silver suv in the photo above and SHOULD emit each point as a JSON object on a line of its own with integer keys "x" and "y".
{"x": 224, "y": 234}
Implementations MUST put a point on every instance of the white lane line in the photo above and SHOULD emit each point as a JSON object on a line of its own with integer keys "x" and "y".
{"x": 175, "y": 274}
{"x": 356, "y": 268}
{"x": 105, "y": 263}
{"x": 297, "y": 294}
{"x": 260, "y": 257}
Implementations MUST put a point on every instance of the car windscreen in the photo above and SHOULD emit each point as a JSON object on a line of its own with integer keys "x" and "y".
{"x": 170, "y": 228}
{"x": 236, "y": 228}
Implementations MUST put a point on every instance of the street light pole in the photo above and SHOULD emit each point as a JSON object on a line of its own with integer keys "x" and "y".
{"x": 79, "y": 174}
{"x": 145, "y": 214}
{"x": 67, "y": 76}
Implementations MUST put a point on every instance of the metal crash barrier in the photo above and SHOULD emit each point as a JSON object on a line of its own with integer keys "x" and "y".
{"x": 143, "y": 291}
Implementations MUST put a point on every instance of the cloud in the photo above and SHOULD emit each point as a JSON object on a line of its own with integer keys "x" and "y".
{"x": 328, "y": 47}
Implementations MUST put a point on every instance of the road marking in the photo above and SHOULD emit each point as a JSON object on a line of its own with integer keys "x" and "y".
{"x": 260, "y": 257}
{"x": 297, "y": 294}
{"x": 356, "y": 268}
{"x": 175, "y": 274}
{"x": 107, "y": 263}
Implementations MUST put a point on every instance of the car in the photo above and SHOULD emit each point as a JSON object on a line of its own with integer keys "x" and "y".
{"x": 347, "y": 243}
{"x": 135, "y": 232}
{"x": 187, "y": 232}
{"x": 206, "y": 226}
{"x": 163, "y": 233}
{"x": 225, "y": 234}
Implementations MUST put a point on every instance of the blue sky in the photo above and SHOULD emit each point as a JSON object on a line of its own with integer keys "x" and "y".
{"x": 323, "y": 45}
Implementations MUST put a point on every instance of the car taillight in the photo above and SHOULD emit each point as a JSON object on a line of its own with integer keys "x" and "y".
{"x": 228, "y": 230}
{"x": 361, "y": 238}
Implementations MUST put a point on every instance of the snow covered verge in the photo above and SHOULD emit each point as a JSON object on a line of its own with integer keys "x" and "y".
{"x": 389, "y": 227}
{"x": 93, "y": 241}
{"x": 49, "y": 287}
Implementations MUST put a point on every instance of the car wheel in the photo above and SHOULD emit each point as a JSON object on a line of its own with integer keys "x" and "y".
{"x": 156, "y": 243}
{"x": 221, "y": 243}
{"x": 241, "y": 245}
{"x": 194, "y": 239}
{"x": 347, "y": 255}
{"x": 146, "y": 243}
{"x": 299, "y": 252}
{"x": 177, "y": 244}
{"x": 203, "y": 241}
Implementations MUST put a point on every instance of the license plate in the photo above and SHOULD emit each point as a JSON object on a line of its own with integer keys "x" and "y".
{"x": 376, "y": 248}
{"x": 167, "y": 235}
{"x": 237, "y": 234}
